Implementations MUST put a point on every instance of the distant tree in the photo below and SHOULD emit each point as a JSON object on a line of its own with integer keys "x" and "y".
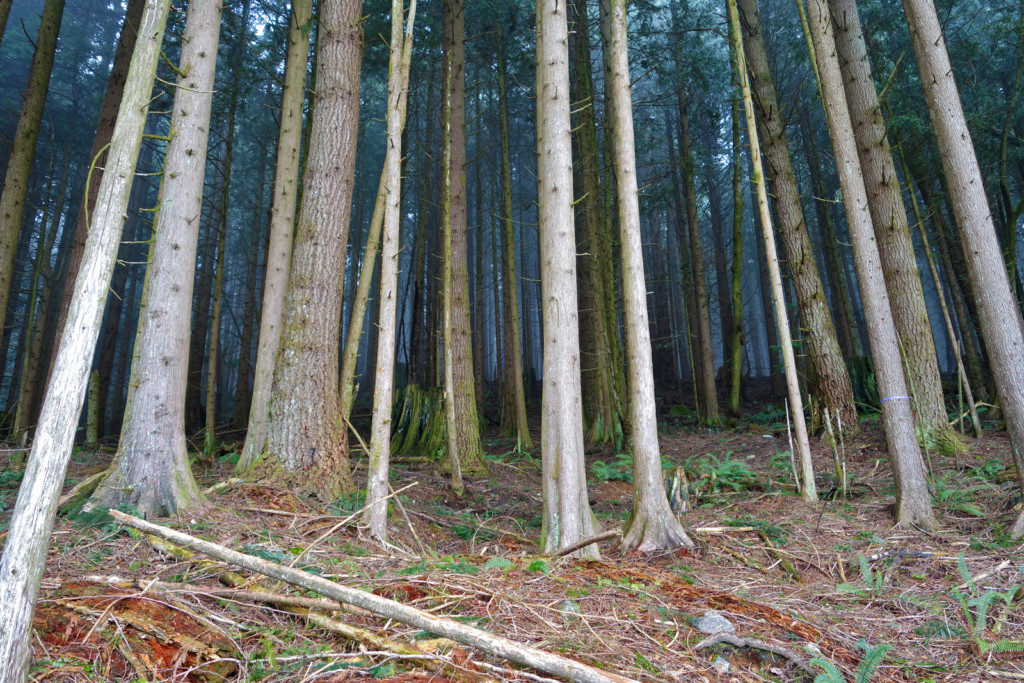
{"x": 23, "y": 148}
{"x": 150, "y": 469}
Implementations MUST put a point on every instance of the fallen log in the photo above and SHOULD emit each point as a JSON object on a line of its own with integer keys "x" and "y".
{"x": 498, "y": 646}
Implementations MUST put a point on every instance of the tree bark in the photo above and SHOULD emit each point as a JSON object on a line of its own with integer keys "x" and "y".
{"x": 567, "y": 517}
{"x": 23, "y": 148}
{"x": 735, "y": 360}
{"x": 832, "y": 378}
{"x": 464, "y": 431}
{"x": 28, "y": 541}
{"x": 150, "y": 469}
{"x": 306, "y": 446}
{"x": 651, "y": 525}
{"x": 375, "y": 516}
{"x": 281, "y": 231}
{"x": 913, "y": 502}
{"x": 889, "y": 217}
{"x": 997, "y": 309}
{"x": 807, "y": 484}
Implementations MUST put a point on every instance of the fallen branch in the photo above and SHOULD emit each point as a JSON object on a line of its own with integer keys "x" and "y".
{"x": 445, "y": 628}
{"x": 604, "y": 536}
{"x": 738, "y": 641}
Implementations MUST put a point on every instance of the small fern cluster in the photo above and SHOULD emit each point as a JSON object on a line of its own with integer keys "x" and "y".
{"x": 975, "y": 605}
{"x": 873, "y": 656}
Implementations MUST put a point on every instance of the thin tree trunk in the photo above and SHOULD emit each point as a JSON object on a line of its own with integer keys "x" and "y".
{"x": 375, "y": 516}
{"x": 567, "y": 518}
{"x": 513, "y": 334}
{"x": 28, "y": 542}
{"x": 306, "y": 449}
{"x": 913, "y": 502}
{"x": 150, "y": 469}
{"x": 889, "y": 217}
{"x": 808, "y": 487}
{"x": 833, "y": 380}
{"x": 281, "y": 232}
{"x": 464, "y": 430}
{"x": 23, "y": 148}
{"x": 997, "y": 309}
{"x": 735, "y": 360}
{"x": 104, "y": 129}
{"x": 652, "y": 525}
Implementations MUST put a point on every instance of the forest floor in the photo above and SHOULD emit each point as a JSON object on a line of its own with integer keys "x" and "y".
{"x": 826, "y": 580}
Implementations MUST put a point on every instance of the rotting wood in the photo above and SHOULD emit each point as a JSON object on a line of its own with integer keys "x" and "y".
{"x": 498, "y": 646}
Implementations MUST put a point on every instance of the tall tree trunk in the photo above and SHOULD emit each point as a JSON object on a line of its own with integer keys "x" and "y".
{"x": 464, "y": 432}
{"x": 513, "y": 335}
{"x": 997, "y": 310}
{"x": 567, "y": 518}
{"x": 913, "y": 502}
{"x": 5, "y": 12}
{"x": 889, "y": 217}
{"x": 23, "y": 148}
{"x": 651, "y": 525}
{"x": 846, "y": 324}
{"x": 735, "y": 360}
{"x": 399, "y": 63}
{"x": 807, "y": 484}
{"x": 306, "y": 447}
{"x": 150, "y": 469}
{"x": 281, "y": 232}
{"x": 833, "y": 385}
{"x": 28, "y": 542}
{"x": 104, "y": 129}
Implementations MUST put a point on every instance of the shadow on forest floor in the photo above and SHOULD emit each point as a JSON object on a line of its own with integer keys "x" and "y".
{"x": 817, "y": 580}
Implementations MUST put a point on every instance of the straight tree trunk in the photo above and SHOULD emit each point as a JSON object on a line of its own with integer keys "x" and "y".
{"x": 513, "y": 335}
{"x": 735, "y": 360}
{"x": 567, "y": 518}
{"x": 997, "y": 309}
{"x": 651, "y": 525}
{"x": 281, "y": 232}
{"x": 375, "y": 516}
{"x": 465, "y": 430}
{"x": 23, "y": 148}
{"x": 808, "y": 488}
{"x": 306, "y": 449}
{"x": 832, "y": 378}
{"x": 24, "y": 554}
{"x": 889, "y": 217}
{"x": 104, "y": 129}
{"x": 150, "y": 469}
{"x": 913, "y": 502}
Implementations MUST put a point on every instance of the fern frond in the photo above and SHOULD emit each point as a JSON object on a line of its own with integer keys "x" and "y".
{"x": 873, "y": 657}
{"x": 831, "y": 673}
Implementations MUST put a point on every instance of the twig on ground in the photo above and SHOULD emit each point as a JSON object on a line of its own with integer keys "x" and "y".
{"x": 738, "y": 641}
{"x": 604, "y": 536}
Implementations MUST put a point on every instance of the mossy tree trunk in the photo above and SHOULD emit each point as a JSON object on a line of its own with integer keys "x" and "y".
{"x": 306, "y": 450}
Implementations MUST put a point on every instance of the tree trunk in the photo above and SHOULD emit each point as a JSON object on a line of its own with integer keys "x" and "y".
{"x": 464, "y": 431}
{"x": 5, "y": 11}
{"x": 104, "y": 129}
{"x": 567, "y": 516}
{"x": 28, "y": 542}
{"x": 913, "y": 503}
{"x": 150, "y": 469}
{"x": 513, "y": 335}
{"x": 997, "y": 309}
{"x": 306, "y": 449}
{"x": 735, "y": 360}
{"x": 652, "y": 525}
{"x": 281, "y": 232}
{"x": 889, "y": 217}
{"x": 807, "y": 484}
{"x": 833, "y": 380}
{"x": 375, "y": 516}
{"x": 23, "y": 148}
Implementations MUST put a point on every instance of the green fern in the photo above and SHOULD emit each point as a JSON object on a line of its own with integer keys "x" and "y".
{"x": 873, "y": 656}
{"x": 831, "y": 672}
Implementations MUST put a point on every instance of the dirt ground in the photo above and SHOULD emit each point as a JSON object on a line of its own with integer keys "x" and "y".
{"x": 832, "y": 582}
